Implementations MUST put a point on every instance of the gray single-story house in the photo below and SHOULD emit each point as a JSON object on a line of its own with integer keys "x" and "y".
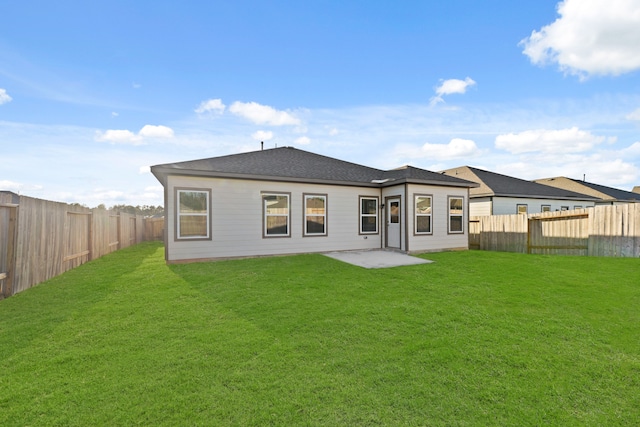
{"x": 605, "y": 195}
{"x": 499, "y": 194}
{"x": 288, "y": 201}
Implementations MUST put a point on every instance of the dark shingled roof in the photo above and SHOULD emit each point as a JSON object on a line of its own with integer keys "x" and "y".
{"x": 292, "y": 164}
{"x": 495, "y": 184}
{"x": 614, "y": 193}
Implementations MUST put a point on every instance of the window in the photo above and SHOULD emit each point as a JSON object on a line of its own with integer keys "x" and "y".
{"x": 423, "y": 209}
{"x": 276, "y": 215}
{"x": 522, "y": 209}
{"x": 192, "y": 221}
{"x": 368, "y": 215}
{"x": 315, "y": 215}
{"x": 394, "y": 212}
{"x": 577, "y": 207}
{"x": 456, "y": 215}
{"x": 545, "y": 208}
{"x": 564, "y": 208}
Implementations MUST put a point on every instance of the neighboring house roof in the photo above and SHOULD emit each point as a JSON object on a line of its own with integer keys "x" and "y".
{"x": 294, "y": 165}
{"x": 600, "y": 191}
{"x": 9, "y": 197}
{"x": 495, "y": 184}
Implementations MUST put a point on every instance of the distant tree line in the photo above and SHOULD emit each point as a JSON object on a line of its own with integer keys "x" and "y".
{"x": 145, "y": 210}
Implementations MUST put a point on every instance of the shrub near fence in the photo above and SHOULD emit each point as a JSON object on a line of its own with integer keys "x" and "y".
{"x": 600, "y": 231}
{"x": 40, "y": 239}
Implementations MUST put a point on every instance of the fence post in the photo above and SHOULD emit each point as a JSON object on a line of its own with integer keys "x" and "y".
{"x": 7, "y": 289}
{"x": 529, "y": 234}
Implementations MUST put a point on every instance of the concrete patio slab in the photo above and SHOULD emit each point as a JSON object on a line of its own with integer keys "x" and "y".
{"x": 376, "y": 258}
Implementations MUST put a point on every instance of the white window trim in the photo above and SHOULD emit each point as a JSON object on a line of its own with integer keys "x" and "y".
{"x": 416, "y": 214}
{"x": 265, "y": 216}
{"x": 361, "y": 215}
{"x": 308, "y": 196}
{"x": 450, "y": 215}
{"x": 206, "y": 214}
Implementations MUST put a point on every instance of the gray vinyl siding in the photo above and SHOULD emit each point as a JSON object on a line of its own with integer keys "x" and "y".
{"x": 237, "y": 222}
{"x": 237, "y": 219}
{"x": 508, "y": 205}
{"x": 440, "y": 239}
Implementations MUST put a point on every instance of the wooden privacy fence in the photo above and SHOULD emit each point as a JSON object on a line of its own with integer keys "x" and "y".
{"x": 41, "y": 239}
{"x": 154, "y": 228}
{"x": 600, "y": 231}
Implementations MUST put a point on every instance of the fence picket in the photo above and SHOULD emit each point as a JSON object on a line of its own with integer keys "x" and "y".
{"x": 600, "y": 231}
{"x": 41, "y": 239}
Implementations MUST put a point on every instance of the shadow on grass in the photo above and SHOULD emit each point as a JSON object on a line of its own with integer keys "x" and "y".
{"x": 36, "y": 312}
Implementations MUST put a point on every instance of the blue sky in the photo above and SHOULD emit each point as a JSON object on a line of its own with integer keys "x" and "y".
{"x": 93, "y": 93}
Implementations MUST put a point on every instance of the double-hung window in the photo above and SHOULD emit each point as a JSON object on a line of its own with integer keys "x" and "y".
{"x": 315, "y": 215}
{"x": 423, "y": 212}
{"x": 368, "y": 215}
{"x": 275, "y": 208}
{"x": 456, "y": 215}
{"x": 194, "y": 210}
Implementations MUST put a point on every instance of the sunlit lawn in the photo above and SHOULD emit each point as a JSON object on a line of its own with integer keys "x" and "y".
{"x": 476, "y": 338}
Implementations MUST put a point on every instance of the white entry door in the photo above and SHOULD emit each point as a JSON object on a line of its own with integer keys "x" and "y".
{"x": 393, "y": 223}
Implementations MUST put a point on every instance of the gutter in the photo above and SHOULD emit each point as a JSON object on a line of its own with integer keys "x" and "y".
{"x": 161, "y": 174}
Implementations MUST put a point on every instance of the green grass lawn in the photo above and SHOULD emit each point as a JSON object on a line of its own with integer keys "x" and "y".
{"x": 476, "y": 338}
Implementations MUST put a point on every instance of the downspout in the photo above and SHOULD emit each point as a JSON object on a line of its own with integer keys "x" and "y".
{"x": 405, "y": 214}
{"x": 166, "y": 220}
{"x": 383, "y": 220}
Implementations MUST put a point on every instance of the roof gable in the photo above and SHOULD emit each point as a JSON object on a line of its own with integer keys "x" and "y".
{"x": 281, "y": 162}
{"x": 600, "y": 191}
{"x": 495, "y": 184}
{"x": 292, "y": 164}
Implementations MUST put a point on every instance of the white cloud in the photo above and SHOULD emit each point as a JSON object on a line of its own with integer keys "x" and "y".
{"x": 262, "y": 135}
{"x": 263, "y": 114}
{"x": 615, "y": 172}
{"x": 119, "y": 136}
{"x": 123, "y": 136}
{"x": 632, "y": 151}
{"x": 451, "y": 86}
{"x": 151, "y": 131}
{"x": 144, "y": 170}
{"x": 211, "y": 106}
{"x": 602, "y": 167}
{"x": 634, "y": 115}
{"x": 591, "y": 37}
{"x": 303, "y": 140}
{"x": 570, "y": 140}
{"x": 4, "y": 96}
{"x": 455, "y": 149}
{"x": 154, "y": 189}
{"x": 17, "y": 187}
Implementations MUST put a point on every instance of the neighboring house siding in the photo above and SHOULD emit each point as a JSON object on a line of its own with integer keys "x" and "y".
{"x": 440, "y": 239}
{"x": 237, "y": 220}
{"x": 480, "y": 206}
{"x": 509, "y": 205}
